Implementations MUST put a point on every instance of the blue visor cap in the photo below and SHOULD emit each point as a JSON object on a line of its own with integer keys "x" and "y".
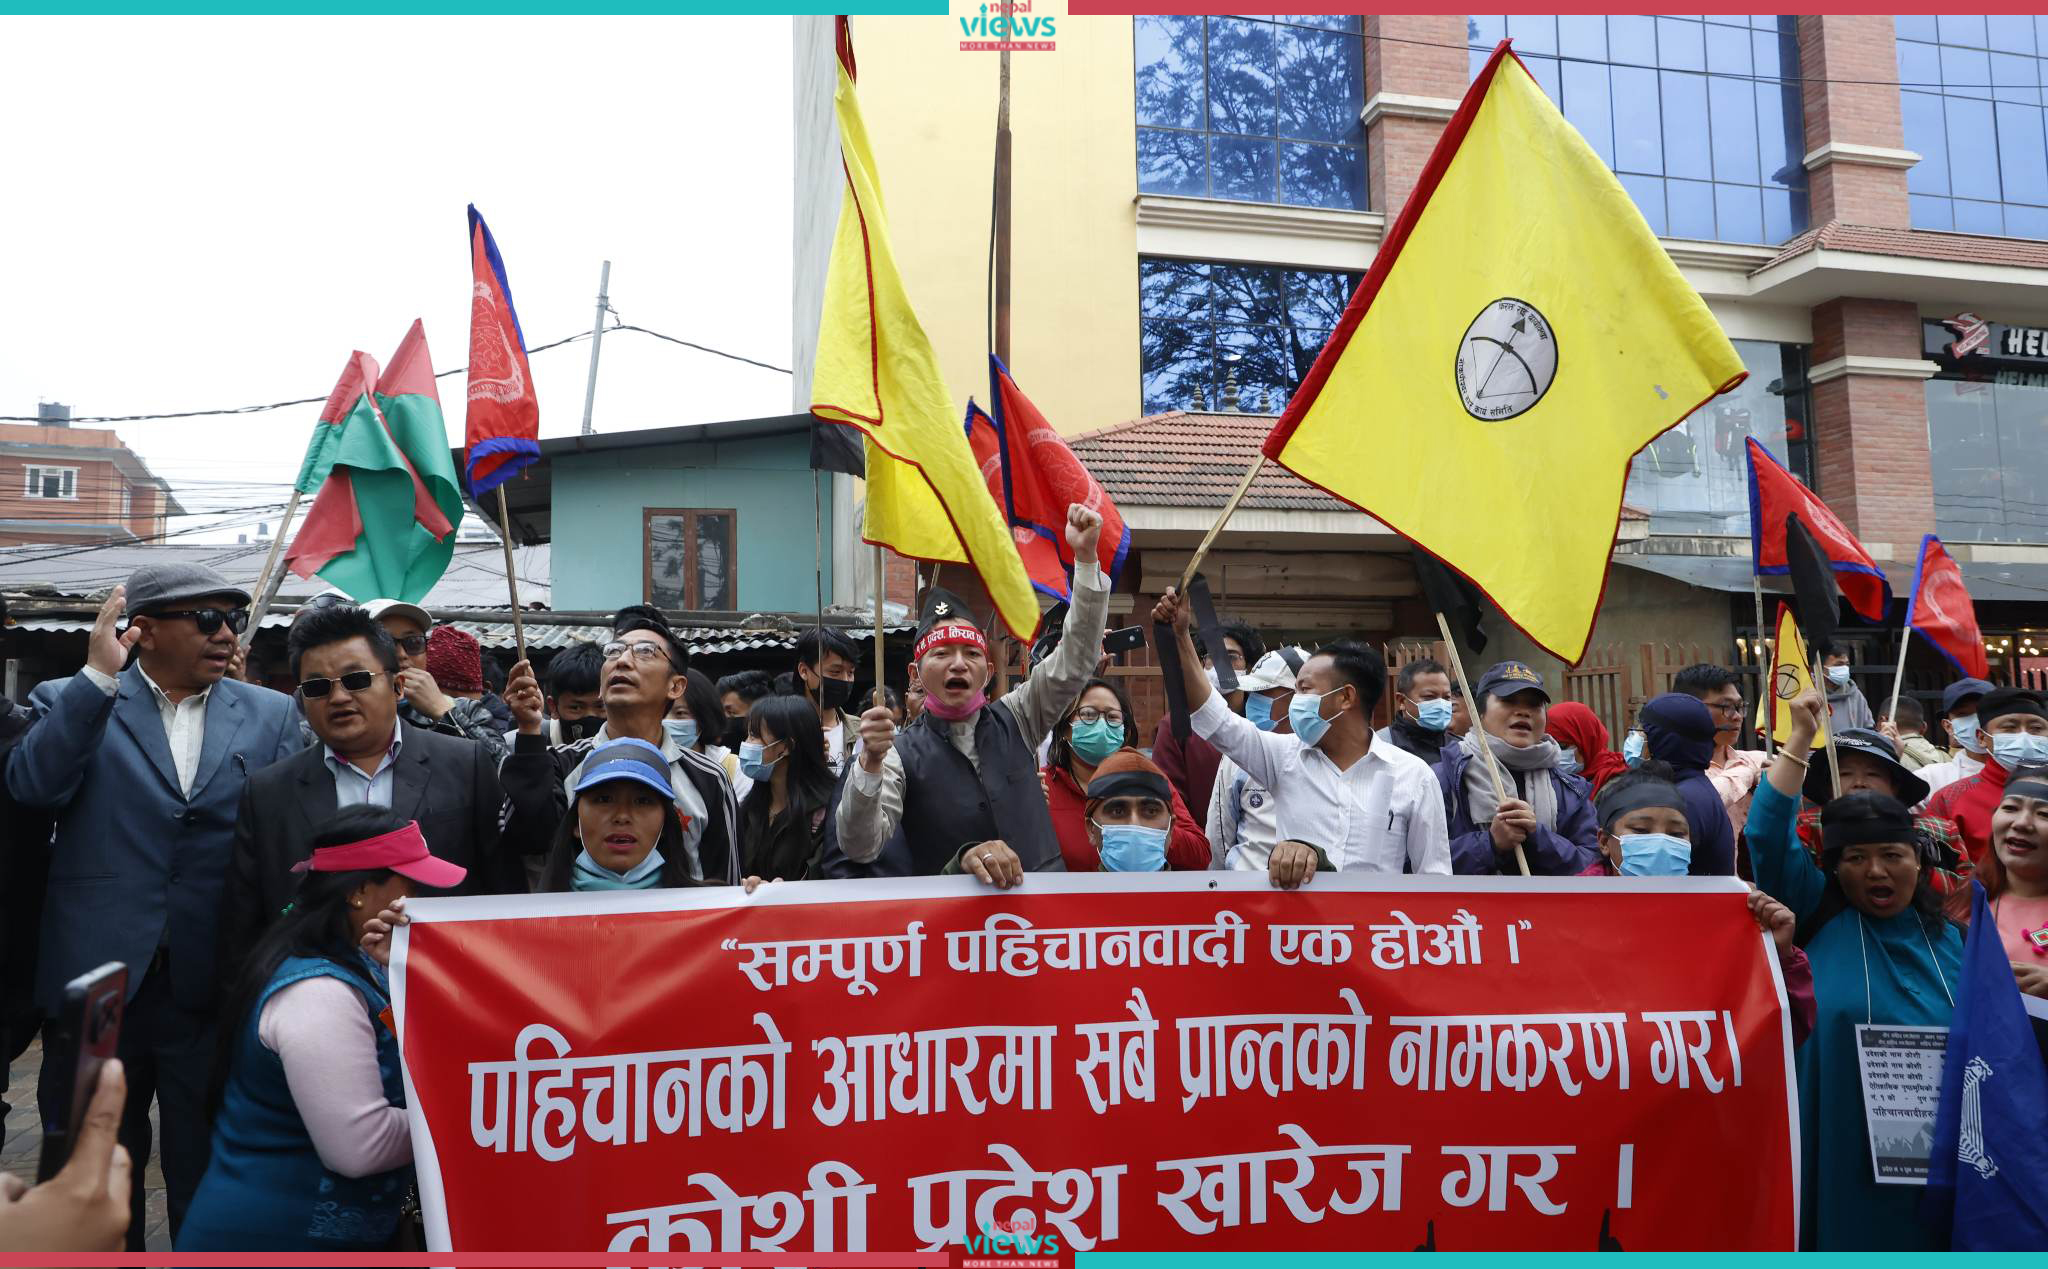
{"x": 626, "y": 760}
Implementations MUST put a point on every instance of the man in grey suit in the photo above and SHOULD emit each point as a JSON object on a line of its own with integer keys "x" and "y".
{"x": 143, "y": 768}
{"x": 346, "y": 663}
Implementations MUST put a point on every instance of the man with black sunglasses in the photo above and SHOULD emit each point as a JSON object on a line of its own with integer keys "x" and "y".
{"x": 424, "y": 703}
{"x": 143, "y": 768}
{"x": 346, "y": 664}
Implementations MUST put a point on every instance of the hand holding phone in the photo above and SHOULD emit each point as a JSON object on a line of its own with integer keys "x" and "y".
{"x": 84, "y": 1208}
{"x": 87, "y": 1032}
{"x": 1129, "y": 639}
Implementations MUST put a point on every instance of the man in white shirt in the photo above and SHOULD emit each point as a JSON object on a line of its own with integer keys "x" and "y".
{"x": 1341, "y": 800}
{"x": 1959, "y": 715}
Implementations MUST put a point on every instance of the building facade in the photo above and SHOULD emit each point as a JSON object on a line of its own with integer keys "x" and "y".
{"x": 1860, "y": 199}
{"x": 67, "y": 484}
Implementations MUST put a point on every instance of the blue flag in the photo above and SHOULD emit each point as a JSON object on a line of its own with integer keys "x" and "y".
{"x": 1990, "y": 1157}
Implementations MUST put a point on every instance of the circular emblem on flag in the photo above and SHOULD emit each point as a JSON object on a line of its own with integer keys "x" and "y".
{"x": 1785, "y": 683}
{"x": 1506, "y": 360}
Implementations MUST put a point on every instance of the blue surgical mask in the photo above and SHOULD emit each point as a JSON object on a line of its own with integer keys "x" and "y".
{"x": 1965, "y": 730}
{"x": 1132, "y": 848}
{"x": 1655, "y": 855}
{"x": 1632, "y": 748}
{"x": 1837, "y": 674}
{"x": 1304, "y": 713}
{"x": 1097, "y": 740}
{"x": 1568, "y": 761}
{"x": 2019, "y": 750}
{"x": 1259, "y": 710}
{"x": 681, "y": 730}
{"x": 1434, "y": 715}
{"x": 751, "y": 764}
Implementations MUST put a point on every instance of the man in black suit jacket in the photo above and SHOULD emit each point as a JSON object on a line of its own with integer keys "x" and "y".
{"x": 346, "y": 664}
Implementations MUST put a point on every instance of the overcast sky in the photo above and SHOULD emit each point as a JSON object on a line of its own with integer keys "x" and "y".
{"x": 213, "y": 212}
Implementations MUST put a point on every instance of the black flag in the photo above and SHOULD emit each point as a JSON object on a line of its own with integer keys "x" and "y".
{"x": 1457, "y": 599}
{"x": 837, "y": 447}
{"x": 1816, "y": 599}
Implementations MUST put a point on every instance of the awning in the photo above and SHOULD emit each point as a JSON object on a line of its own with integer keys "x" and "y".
{"x": 2021, "y": 583}
{"x": 1709, "y": 572}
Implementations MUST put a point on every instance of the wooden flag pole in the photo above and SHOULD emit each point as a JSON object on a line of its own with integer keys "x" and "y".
{"x": 1764, "y": 661}
{"x": 1828, "y": 726}
{"x": 511, "y": 573}
{"x": 881, "y": 576}
{"x": 273, "y": 572}
{"x": 1500, "y": 792}
{"x": 1243, "y": 487}
{"x": 1899, "y": 676}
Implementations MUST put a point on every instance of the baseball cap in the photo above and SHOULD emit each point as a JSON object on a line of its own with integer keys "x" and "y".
{"x": 1508, "y": 678}
{"x": 399, "y": 608}
{"x": 626, "y": 758}
{"x": 1275, "y": 669}
{"x": 1955, "y": 693}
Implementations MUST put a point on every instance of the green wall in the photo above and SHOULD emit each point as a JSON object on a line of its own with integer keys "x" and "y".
{"x": 599, "y": 548}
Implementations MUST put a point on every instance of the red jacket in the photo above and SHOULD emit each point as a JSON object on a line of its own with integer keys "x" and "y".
{"x": 1187, "y": 847}
{"x": 1190, "y": 765}
{"x": 1970, "y": 803}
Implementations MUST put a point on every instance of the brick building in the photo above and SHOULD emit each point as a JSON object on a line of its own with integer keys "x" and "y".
{"x": 1861, "y": 200}
{"x": 67, "y": 484}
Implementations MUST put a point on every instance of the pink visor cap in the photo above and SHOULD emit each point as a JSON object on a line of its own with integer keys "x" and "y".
{"x": 402, "y": 850}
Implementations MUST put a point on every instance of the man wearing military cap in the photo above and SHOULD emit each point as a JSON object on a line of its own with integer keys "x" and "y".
{"x": 143, "y": 768}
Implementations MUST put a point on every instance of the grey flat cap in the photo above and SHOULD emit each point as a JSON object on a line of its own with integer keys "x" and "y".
{"x": 156, "y": 585}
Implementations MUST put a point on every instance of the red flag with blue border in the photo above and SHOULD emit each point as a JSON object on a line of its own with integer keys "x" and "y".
{"x": 1942, "y": 611}
{"x": 1041, "y": 560}
{"x": 1042, "y": 478}
{"x": 503, "y": 423}
{"x": 1775, "y": 493}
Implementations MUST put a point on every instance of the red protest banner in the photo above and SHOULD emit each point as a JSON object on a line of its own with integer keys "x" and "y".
{"x": 1113, "y": 1061}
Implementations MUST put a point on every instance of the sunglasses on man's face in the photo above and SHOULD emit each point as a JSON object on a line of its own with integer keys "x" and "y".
{"x": 208, "y": 619}
{"x": 411, "y": 645}
{"x": 355, "y": 681}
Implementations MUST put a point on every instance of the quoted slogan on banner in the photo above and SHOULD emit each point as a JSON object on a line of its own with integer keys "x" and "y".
{"x": 1180, "y": 1061}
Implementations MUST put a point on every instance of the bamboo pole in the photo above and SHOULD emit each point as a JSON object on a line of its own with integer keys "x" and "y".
{"x": 511, "y": 574}
{"x": 1899, "y": 675}
{"x": 1500, "y": 793}
{"x": 273, "y": 573}
{"x": 881, "y": 578}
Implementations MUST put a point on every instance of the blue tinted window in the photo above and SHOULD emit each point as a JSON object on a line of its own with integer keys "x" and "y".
{"x": 1971, "y": 103}
{"x": 1259, "y": 109}
{"x": 1701, "y": 118}
{"x": 1229, "y": 336}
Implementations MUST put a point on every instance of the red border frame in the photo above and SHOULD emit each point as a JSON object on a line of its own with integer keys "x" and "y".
{"x": 1368, "y": 290}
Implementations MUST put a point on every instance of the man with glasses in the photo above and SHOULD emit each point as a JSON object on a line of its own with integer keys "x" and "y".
{"x": 143, "y": 768}
{"x": 645, "y": 673}
{"x": 424, "y": 703}
{"x": 1733, "y": 772}
{"x": 346, "y": 665}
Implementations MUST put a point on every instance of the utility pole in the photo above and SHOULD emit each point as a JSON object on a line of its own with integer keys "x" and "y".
{"x": 604, "y": 281}
{"x": 1002, "y": 284}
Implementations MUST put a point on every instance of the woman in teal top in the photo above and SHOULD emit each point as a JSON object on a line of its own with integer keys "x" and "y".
{"x": 1881, "y": 953}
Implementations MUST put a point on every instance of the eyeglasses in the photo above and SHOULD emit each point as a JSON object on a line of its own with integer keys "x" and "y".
{"x": 354, "y": 681}
{"x": 411, "y": 645}
{"x": 207, "y": 619}
{"x": 645, "y": 651}
{"x": 1732, "y": 708}
{"x": 1090, "y": 714}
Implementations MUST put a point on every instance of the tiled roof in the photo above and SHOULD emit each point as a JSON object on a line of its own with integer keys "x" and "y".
{"x": 1918, "y": 244}
{"x": 1182, "y": 459}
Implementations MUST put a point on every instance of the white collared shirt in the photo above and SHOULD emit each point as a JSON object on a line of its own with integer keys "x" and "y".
{"x": 352, "y": 787}
{"x": 1383, "y": 812}
{"x": 184, "y": 722}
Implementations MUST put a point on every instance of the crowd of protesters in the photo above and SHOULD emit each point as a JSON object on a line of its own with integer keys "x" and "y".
{"x": 247, "y": 854}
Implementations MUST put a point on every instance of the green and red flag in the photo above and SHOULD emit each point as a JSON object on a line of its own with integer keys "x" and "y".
{"x": 383, "y": 523}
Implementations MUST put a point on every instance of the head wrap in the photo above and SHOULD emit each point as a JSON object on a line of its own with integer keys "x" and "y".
{"x": 1573, "y": 724}
{"x": 1865, "y": 819}
{"x": 1634, "y": 796}
{"x": 1127, "y": 773}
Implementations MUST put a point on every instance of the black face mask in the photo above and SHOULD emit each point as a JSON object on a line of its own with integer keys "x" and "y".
{"x": 833, "y": 693}
{"x": 735, "y": 732}
{"x": 584, "y": 728}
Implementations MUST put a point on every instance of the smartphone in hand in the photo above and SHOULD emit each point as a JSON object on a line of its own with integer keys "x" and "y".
{"x": 87, "y": 1031}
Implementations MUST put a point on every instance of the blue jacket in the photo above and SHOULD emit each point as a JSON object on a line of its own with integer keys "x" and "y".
{"x": 1565, "y": 851}
{"x": 1678, "y": 729}
{"x": 135, "y": 861}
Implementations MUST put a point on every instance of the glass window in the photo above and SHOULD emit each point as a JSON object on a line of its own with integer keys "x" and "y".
{"x": 1259, "y": 109}
{"x": 689, "y": 561}
{"x": 1232, "y": 336}
{"x": 1695, "y": 477}
{"x": 1701, "y": 118}
{"x": 49, "y": 482}
{"x": 1988, "y": 444}
{"x": 1971, "y": 98}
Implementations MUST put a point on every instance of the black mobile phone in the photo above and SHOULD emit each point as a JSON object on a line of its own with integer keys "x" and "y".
{"x": 1129, "y": 639}
{"x": 87, "y": 1031}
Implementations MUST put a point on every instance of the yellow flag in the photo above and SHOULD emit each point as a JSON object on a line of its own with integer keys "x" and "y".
{"x": 1791, "y": 676}
{"x": 1520, "y": 335}
{"x": 876, "y": 371}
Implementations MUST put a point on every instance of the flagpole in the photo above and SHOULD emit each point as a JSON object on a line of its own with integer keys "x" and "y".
{"x": 1899, "y": 677}
{"x": 1500, "y": 793}
{"x": 1828, "y": 724}
{"x": 881, "y": 580}
{"x": 604, "y": 282}
{"x": 273, "y": 573}
{"x": 511, "y": 573}
{"x": 1002, "y": 211}
{"x": 1243, "y": 487}
{"x": 1763, "y": 659}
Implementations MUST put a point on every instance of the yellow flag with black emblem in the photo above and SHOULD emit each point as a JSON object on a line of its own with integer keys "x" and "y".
{"x": 1520, "y": 335}
{"x": 876, "y": 371}
{"x": 1791, "y": 676}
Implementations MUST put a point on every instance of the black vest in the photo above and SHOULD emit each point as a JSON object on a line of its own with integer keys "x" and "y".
{"x": 947, "y": 804}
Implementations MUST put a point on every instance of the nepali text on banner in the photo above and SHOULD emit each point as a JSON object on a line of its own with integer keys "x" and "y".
{"x": 1162, "y": 1062}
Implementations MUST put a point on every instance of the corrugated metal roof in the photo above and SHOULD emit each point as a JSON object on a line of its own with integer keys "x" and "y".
{"x": 475, "y": 576}
{"x": 705, "y": 639}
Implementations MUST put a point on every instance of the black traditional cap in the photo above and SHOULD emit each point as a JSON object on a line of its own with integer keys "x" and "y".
{"x": 946, "y": 619}
{"x": 2009, "y": 700}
